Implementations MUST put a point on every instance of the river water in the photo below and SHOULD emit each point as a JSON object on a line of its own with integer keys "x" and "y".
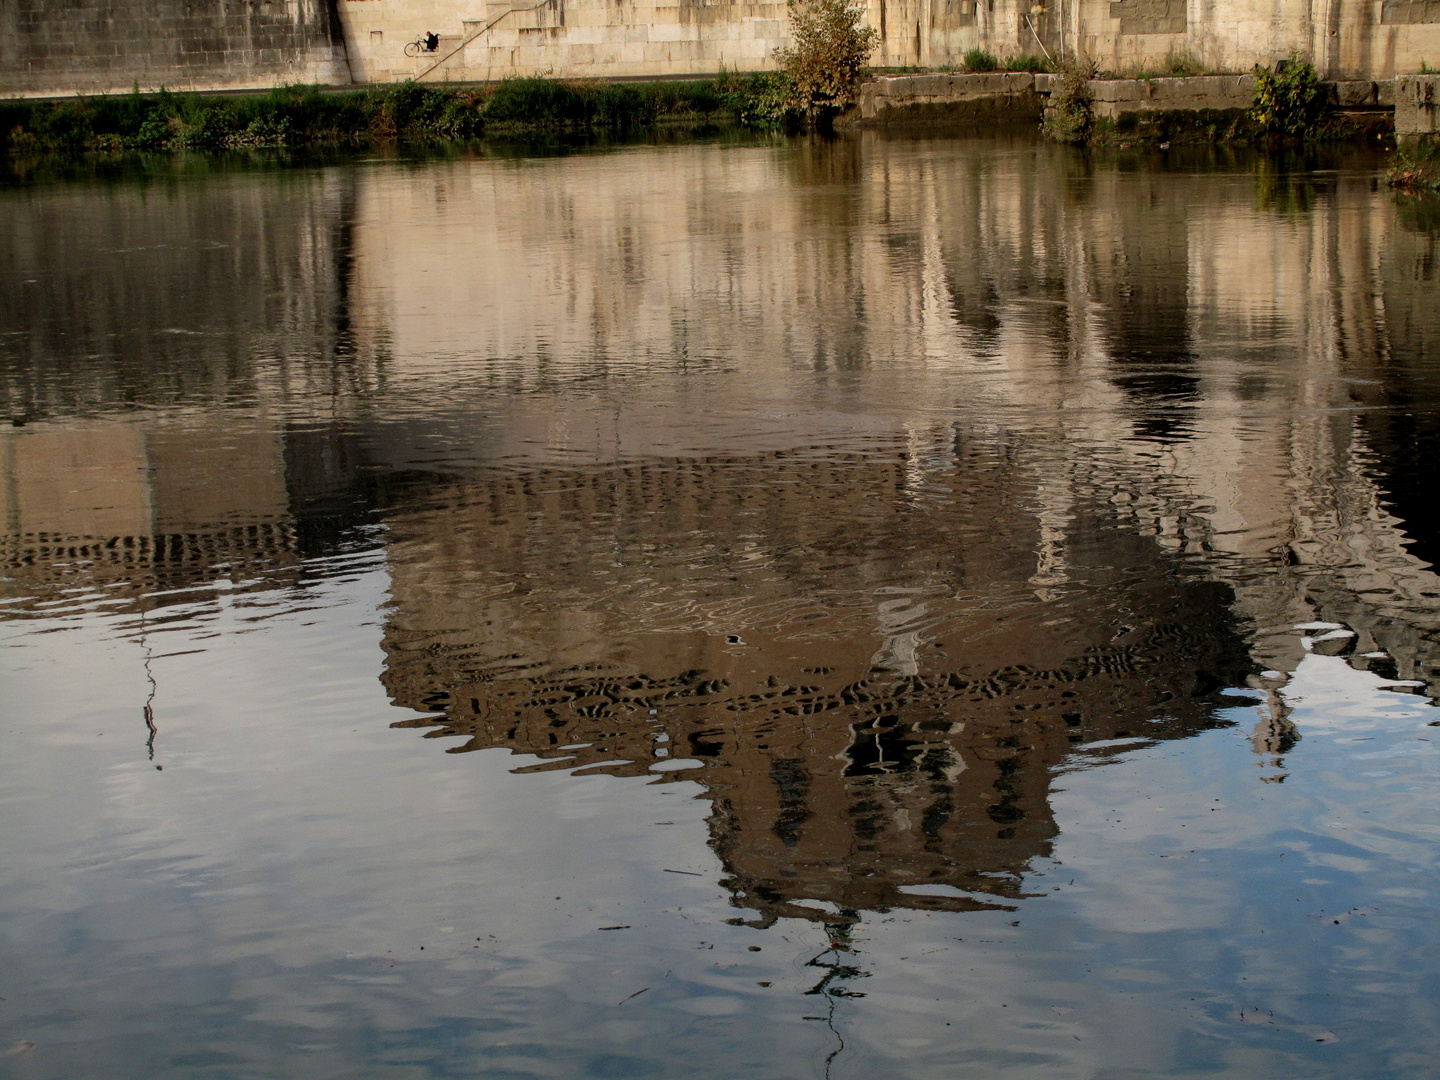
{"x": 871, "y": 608}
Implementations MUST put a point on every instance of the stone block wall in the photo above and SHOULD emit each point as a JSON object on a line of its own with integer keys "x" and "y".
{"x": 1417, "y": 106}
{"x": 69, "y": 46}
{"x": 1408, "y": 12}
{"x": 562, "y": 38}
{"x": 895, "y": 98}
{"x": 1348, "y": 39}
{"x": 97, "y": 46}
{"x": 902, "y": 99}
{"x": 1357, "y": 39}
{"x": 1149, "y": 16}
{"x": 932, "y": 33}
{"x": 1115, "y": 97}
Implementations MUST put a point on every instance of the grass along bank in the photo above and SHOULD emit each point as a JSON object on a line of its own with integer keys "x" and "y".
{"x": 305, "y": 115}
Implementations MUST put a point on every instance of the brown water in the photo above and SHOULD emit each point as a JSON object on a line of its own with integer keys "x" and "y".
{"x": 948, "y": 608}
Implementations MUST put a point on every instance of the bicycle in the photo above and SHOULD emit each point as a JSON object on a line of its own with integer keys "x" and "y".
{"x": 417, "y": 48}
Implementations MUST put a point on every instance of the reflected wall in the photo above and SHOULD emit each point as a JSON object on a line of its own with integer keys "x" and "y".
{"x": 863, "y": 481}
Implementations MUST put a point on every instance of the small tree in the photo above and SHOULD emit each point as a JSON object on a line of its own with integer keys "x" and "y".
{"x": 827, "y": 58}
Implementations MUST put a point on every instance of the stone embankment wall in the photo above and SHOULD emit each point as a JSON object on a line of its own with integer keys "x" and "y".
{"x": 907, "y": 99}
{"x": 1417, "y": 106}
{"x": 74, "y": 46}
{"x": 485, "y": 39}
{"x": 482, "y": 40}
{"x": 110, "y": 45}
{"x": 98, "y": 46}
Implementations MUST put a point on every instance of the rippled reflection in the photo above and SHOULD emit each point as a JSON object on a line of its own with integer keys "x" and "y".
{"x": 868, "y": 486}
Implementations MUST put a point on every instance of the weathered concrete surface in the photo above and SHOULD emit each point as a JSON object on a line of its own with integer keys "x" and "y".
{"x": 1362, "y": 94}
{"x": 1115, "y": 97}
{"x": 908, "y": 99}
{"x": 894, "y": 99}
{"x": 98, "y": 46}
{"x": 1417, "y": 101}
{"x": 899, "y": 99}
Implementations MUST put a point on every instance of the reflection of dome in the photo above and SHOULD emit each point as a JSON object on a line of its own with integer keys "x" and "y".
{"x": 856, "y": 735}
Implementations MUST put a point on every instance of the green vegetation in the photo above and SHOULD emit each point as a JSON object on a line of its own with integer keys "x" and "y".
{"x": 1415, "y": 168}
{"x": 980, "y": 60}
{"x": 1289, "y": 101}
{"x": 406, "y": 112}
{"x": 1071, "y": 115}
{"x": 758, "y": 100}
{"x": 1036, "y": 65}
{"x": 824, "y": 65}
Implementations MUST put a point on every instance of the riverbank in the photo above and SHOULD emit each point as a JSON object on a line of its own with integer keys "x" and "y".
{"x": 407, "y": 111}
{"x": 1104, "y": 110}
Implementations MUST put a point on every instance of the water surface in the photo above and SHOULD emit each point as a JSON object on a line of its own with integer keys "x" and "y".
{"x": 907, "y": 608}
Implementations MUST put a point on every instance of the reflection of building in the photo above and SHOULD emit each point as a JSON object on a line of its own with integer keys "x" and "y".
{"x": 140, "y": 508}
{"x": 866, "y": 717}
{"x": 1190, "y": 346}
{"x": 152, "y": 345}
{"x": 973, "y": 454}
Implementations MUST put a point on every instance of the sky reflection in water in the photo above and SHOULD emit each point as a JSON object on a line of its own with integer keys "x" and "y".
{"x": 873, "y": 608}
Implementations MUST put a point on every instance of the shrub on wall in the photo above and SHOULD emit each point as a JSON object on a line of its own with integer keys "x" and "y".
{"x": 1071, "y": 115}
{"x": 1036, "y": 65}
{"x": 980, "y": 60}
{"x": 1289, "y": 98}
{"x": 828, "y": 55}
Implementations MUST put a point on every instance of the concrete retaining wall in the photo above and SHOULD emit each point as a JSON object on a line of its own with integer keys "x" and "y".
{"x": 1417, "y": 106}
{"x": 1113, "y": 98}
{"x": 98, "y": 46}
{"x": 900, "y": 99}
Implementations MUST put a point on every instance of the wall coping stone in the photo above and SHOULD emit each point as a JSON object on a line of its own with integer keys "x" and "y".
{"x": 1120, "y": 95}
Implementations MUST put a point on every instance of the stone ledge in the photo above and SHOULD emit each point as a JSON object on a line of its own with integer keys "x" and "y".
{"x": 1116, "y": 97}
{"x": 901, "y": 91}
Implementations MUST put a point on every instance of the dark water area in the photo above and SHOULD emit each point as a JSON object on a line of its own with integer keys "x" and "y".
{"x": 752, "y": 607}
